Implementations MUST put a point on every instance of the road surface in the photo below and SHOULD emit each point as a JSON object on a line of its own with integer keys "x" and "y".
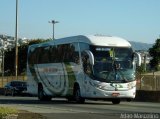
{"x": 62, "y": 109}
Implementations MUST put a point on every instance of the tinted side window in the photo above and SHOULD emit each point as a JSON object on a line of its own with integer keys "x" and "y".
{"x": 44, "y": 55}
{"x": 53, "y": 54}
{"x": 31, "y": 56}
{"x": 76, "y": 53}
{"x": 83, "y": 46}
{"x": 64, "y": 53}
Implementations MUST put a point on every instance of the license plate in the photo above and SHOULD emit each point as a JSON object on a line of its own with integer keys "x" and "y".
{"x": 115, "y": 94}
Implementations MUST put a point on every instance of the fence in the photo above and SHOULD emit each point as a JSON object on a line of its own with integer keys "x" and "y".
{"x": 6, "y": 79}
{"x": 148, "y": 82}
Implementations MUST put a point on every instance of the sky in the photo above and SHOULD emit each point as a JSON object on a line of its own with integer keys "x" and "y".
{"x": 134, "y": 20}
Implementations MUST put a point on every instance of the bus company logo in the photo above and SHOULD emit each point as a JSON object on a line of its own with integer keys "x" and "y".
{"x": 116, "y": 85}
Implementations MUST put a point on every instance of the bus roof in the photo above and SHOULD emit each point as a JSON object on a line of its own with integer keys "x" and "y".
{"x": 91, "y": 39}
{"x": 95, "y": 40}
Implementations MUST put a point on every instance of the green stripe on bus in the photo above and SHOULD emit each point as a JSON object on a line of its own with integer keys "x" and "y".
{"x": 71, "y": 77}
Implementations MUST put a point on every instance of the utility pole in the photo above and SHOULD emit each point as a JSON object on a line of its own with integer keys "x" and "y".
{"x": 53, "y": 22}
{"x": 16, "y": 42}
{"x": 145, "y": 58}
{"x": 3, "y": 44}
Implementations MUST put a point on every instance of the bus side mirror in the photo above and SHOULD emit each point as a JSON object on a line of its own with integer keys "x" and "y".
{"x": 91, "y": 57}
{"x": 138, "y": 57}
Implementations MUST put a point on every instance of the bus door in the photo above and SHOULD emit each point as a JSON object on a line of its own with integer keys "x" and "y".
{"x": 87, "y": 69}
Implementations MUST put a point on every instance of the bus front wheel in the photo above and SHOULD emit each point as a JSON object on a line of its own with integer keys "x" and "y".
{"x": 77, "y": 95}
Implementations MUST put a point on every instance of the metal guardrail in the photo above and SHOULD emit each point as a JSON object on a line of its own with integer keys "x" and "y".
{"x": 6, "y": 79}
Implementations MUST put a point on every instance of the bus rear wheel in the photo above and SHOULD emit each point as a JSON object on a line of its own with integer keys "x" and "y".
{"x": 40, "y": 93}
{"x": 77, "y": 95}
{"x": 116, "y": 101}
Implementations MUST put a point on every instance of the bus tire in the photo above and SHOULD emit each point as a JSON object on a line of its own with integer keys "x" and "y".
{"x": 129, "y": 100}
{"x": 77, "y": 95}
{"x": 70, "y": 99}
{"x": 116, "y": 101}
{"x": 48, "y": 98}
{"x": 40, "y": 92}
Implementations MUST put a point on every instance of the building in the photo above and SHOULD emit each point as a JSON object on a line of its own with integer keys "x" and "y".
{"x": 7, "y": 43}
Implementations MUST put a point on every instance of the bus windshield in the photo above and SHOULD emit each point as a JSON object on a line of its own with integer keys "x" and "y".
{"x": 113, "y": 64}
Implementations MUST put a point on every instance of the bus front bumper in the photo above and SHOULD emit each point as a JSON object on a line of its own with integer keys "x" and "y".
{"x": 102, "y": 94}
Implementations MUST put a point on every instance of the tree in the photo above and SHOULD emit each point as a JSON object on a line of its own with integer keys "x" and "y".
{"x": 9, "y": 66}
{"x": 155, "y": 54}
{"x": 141, "y": 69}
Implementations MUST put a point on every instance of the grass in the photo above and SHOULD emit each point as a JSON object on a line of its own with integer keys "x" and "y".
{"x": 12, "y": 113}
{"x": 5, "y": 112}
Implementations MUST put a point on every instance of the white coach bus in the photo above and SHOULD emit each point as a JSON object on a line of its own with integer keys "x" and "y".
{"x": 83, "y": 67}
